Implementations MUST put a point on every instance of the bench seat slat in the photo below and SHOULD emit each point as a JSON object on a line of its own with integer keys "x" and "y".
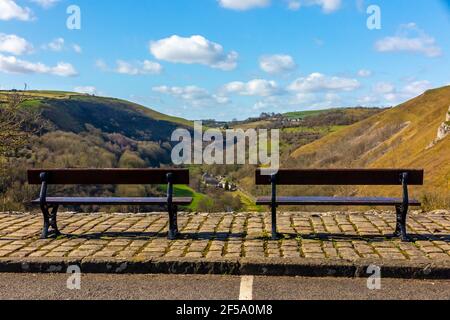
{"x": 114, "y": 201}
{"x": 336, "y": 201}
{"x": 108, "y": 176}
{"x": 342, "y": 177}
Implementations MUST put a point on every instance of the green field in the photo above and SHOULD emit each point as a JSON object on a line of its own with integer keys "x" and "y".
{"x": 186, "y": 191}
{"x": 249, "y": 204}
{"x": 304, "y": 114}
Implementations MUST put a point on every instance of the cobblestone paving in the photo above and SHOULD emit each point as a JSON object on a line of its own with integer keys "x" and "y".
{"x": 348, "y": 236}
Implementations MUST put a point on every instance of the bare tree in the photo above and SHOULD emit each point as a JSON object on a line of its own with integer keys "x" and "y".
{"x": 12, "y": 135}
{"x": 16, "y": 123}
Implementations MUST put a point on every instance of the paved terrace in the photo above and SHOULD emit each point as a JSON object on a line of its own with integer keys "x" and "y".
{"x": 330, "y": 239}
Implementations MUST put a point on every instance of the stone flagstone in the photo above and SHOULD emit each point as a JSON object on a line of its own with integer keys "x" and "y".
{"x": 345, "y": 236}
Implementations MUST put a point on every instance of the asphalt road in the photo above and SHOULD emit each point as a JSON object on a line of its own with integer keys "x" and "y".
{"x": 175, "y": 287}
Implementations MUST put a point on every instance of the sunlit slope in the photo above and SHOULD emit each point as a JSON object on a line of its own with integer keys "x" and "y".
{"x": 399, "y": 137}
{"x": 61, "y": 99}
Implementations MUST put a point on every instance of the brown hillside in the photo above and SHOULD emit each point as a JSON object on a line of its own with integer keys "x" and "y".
{"x": 397, "y": 138}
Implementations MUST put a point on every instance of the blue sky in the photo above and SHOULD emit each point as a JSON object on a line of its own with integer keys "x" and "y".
{"x": 227, "y": 59}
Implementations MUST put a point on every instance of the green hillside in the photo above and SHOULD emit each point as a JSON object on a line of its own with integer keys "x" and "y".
{"x": 337, "y": 116}
{"x": 82, "y": 131}
{"x": 71, "y": 112}
{"x": 79, "y": 131}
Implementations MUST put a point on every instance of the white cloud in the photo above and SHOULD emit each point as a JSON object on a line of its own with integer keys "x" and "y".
{"x": 360, "y": 5}
{"x": 59, "y": 44}
{"x": 242, "y": 5}
{"x": 86, "y": 90}
{"x": 10, "y": 64}
{"x": 317, "y": 101}
{"x": 364, "y": 73}
{"x": 101, "y": 64}
{"x": 294, "y": 4}
{"x": 56, "y": 45}
{"x": 381, "y": 91}
{"x": 13, "y": 44}
{"x": 77, "y": 48}
{"x": 332, "y": 99}
{"x": 388, "y": 93}
{"x": 269, "y": 104}
{"x": 410, "y": 38}
{"x": 369, "y": 100}
{"x": 278, "y": 63}
{"x": 138, "y": 68}
{"x": 416, "y": 88}
{"x": 194, "y": 50}
{"x": 384, "y": 88}
{"x": 317, "y": 82}
{"x": 151, "y": 67}
{"x": 45, "y": 3}
{"x": 196, "y": 96}
{"x": 10, "y": 10}
{"x": 256, "y": 87}
{"x": 63, "y": 69}
{"x": 133, "y": 68}
{"x": 303, "y": 98}
{"x": 328, "y": 6}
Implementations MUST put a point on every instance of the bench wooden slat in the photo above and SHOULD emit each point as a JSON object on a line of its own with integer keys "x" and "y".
{"x": 113, "y": 201}
{"x": 108, "y": 176}
{"x": 367, "y": 177}
{"x": 335, "y": 201}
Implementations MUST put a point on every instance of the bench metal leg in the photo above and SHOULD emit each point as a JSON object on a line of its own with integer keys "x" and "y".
{"x": 273, "y": 180}
{"x": 50, "y": 220}
{"x": 54, "y": 221}
{"x": 398, "y": 227}
{"x": 400, "y": 230}
{"x": 274, "y": 223}
{"x": 46, "y": 215}
{"x": 173, "y": 223}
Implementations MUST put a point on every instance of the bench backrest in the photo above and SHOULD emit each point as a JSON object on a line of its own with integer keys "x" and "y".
{"x": 108, "y": 176}
{"x": 367, "y": 177}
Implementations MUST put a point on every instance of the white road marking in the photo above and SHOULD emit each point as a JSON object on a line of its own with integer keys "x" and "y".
{"x": 246, "y": 291}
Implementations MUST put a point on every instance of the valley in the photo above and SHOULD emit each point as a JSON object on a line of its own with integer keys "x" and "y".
{"x": 78, "y": 130}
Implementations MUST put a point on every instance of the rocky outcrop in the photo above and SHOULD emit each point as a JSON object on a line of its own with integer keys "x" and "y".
{"x": 443, "y": 131}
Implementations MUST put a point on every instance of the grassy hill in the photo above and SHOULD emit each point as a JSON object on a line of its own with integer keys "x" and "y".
{"x": 39, "y": 96}
{"x": 81, "y": 131}
{"x": 397, "y": 138}
{"x": 88, "y": 131}
{"x": 72, "y": 111}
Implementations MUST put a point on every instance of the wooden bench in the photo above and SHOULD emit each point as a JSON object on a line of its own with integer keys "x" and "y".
{"x": 50, "y": 205}
{"x": 367, "y": 177}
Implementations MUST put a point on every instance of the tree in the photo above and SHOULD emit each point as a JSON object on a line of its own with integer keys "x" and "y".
{"x": 12, "y": 136}
{"x": 17, "y": 124}
{"x": 205, "y": 205}
{"x": 131, "y": 159}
